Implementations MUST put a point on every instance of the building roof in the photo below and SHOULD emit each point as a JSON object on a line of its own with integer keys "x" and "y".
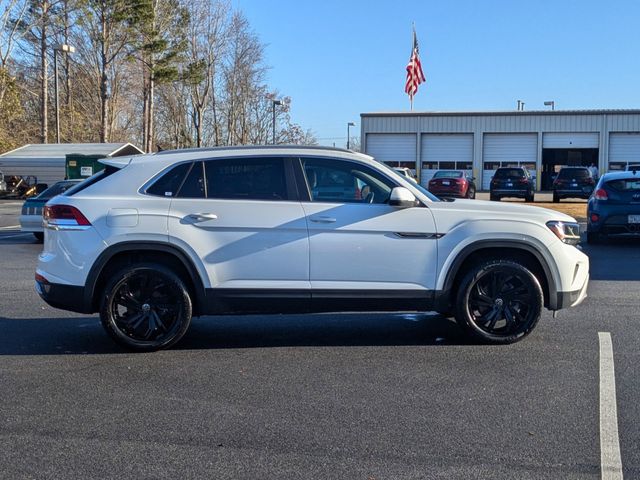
{"x": 60, "y": 150}
{"x": 502, "y": 112}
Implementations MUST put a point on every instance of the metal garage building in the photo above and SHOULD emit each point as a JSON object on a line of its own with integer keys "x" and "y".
{"x": 543, "y": 141}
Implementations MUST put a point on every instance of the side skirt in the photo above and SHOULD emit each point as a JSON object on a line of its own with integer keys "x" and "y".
{"x": 245, "y": 301}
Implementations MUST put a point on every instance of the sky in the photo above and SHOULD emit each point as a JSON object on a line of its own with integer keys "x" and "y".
{"x": 338, "y": 59}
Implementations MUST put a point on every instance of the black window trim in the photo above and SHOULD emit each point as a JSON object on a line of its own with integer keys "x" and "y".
{"x": 291, "y": 185}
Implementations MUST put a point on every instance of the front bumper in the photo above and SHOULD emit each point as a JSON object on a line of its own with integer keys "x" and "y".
{"x": 64, "y": 297}
{"x": 572, "y": 299}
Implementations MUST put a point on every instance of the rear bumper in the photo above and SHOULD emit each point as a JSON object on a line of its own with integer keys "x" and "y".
{"x": 573, "y": 193}
{"x": 31, "y": 223}
{"x": 447, "y": 193}
{"x": 64, "y": 297}
{"x": 509, "y": 193}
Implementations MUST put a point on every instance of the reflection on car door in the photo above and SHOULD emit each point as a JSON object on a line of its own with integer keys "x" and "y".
{"x": 240, "y": 217}
{"x": 359, "y": 245}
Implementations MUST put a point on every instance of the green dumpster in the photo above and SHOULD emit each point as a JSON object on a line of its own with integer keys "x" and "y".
{"x": 78, "y": 165}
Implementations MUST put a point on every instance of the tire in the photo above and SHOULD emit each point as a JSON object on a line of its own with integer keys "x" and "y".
{"x": 529, "y": 198}
{"x": 556, "y": 198}
{"x": 494, "y": 198}
{"x": 141, "y": 301}
{"x": 593, "y": 238}
{"x": 39, "y": 236}
{"x": 471, "y": 193}
{"x": 492, "y": 292}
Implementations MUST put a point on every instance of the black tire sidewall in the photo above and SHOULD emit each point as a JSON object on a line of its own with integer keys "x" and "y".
{"x": 108, "y": 322}
{"x": 463, "y": 316}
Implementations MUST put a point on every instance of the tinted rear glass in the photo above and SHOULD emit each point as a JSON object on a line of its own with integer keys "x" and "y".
{"x": 56, "y": 189}
{"x": 246, "y": 179}
{"x": 448, "y": 174}
{"x": 169, "y": 183}
{"x": 509, "y": 173}
{"x": 574, "y": 173}
{"x": 193, "y": 186}
{"x": 627, "y": 185}
{"x": 101, "y": 175}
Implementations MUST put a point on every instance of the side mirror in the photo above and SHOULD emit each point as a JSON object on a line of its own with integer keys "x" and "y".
{"x": 402, "y": 197}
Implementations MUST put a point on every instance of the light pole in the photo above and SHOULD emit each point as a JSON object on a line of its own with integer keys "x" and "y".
{"x": 550, "y": 103}
{"x": 66, "y": 49}
{"x": 349, "y": 125}
{"x": 275, "y": 103}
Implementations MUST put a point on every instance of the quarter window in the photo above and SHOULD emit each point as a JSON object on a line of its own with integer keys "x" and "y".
{"x": 338, "y": 181}
{"x": 246, "y": 179}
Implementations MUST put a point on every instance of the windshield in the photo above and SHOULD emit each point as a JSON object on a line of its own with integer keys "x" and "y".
{"x": 416, "y": 185}
{"x": 448, "y": 174}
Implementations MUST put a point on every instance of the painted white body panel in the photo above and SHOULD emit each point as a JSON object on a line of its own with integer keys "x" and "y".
{"x": 253, "y": 244}
{"x": 361, "y": 249}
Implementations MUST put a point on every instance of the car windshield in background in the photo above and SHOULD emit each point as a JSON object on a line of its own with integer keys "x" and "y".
{"x": 625, "y": 185}
{"x": 422, "y": 190}
{"x": 56, "y": 189}
{"x": 574, "y": 173}
{"x": 509, "y": 173}
{"x": 448, "y": 174}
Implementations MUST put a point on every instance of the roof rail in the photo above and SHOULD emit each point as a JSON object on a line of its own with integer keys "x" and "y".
{"x": 255, "y": 147}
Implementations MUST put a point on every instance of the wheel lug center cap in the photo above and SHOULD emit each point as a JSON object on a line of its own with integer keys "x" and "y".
{"x": 146, "y": 308}
{"x": 498, "y": 302}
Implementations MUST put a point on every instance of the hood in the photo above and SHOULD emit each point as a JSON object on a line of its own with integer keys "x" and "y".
{"x": 482, "y": 209}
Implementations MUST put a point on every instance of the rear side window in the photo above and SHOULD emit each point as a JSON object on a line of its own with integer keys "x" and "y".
{"x": 626, "y": 185}
{"x": 246, "y": 179}
{"x": 169, "y": 183}
{"x": 193, "y": 185}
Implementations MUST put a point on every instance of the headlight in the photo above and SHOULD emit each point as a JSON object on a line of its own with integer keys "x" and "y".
{"x": 567, "y": 232}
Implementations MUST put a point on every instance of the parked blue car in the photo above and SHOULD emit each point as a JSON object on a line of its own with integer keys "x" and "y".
{"x": 614, "y": 207}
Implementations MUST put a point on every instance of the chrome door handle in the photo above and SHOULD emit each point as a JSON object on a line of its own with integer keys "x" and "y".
{"x": 202, "y": 217}
{"x": 323, "y": 219}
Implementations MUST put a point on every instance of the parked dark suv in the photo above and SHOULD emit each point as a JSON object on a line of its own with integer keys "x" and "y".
{"x": 573, "y": 182}
{"x": 511, "y": 182}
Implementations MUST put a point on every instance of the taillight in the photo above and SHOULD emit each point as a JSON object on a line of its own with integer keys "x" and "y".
{"x": 595, "y": 217}
{"x": 601, "y": 194}
{"x": 523, "y": 180}
{"x": 591, "y": 181}
{"x": 64, "y": 216}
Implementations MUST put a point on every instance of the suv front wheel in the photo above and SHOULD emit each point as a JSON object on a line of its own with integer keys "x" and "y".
{"x": 146, "y": 307}
{"x": 499, "y": 301}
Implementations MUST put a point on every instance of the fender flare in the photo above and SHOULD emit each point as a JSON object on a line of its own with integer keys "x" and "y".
{"x": 135, "y": 246}
{"x": 515, "y": 244}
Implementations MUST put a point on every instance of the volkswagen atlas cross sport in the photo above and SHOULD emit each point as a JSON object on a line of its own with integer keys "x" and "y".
{"x": 155, "y": 239}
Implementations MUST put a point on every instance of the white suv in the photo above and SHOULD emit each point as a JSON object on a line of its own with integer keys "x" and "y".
{"x": 156, "y": 239}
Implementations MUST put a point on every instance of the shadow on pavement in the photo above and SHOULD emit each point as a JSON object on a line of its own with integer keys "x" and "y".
{"x": 85, "y": 335}
{"x": 614, "y": 259}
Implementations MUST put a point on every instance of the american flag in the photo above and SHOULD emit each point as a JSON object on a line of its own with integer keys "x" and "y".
{"x": 415, "y": 76}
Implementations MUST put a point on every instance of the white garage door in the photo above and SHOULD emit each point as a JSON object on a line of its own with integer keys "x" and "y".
{"x": 392, "y": 147}
{"x": 508, "y": 149}
{"x": 570, "y": 140}
{"x": 624, "y": 148}
{"x": 445, "y": 151}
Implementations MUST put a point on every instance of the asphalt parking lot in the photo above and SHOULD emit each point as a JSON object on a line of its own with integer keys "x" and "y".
{"x": 372, "y": 396}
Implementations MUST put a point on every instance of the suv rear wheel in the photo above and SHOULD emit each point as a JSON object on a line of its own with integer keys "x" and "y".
{"x": 146, "y": 307}
{"x": 499, "y": 301}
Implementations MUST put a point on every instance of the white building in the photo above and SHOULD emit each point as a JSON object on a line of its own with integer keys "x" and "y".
{"x": 543, "y": 141}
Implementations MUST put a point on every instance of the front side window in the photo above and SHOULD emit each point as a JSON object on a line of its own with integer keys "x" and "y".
{"x": 246, "y": 179}
{"x": 337, "y": 181}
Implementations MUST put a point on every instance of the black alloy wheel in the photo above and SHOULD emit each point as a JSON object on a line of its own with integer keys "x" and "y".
{"x": 499, "y": 301}
{"x": 146, "y": 307}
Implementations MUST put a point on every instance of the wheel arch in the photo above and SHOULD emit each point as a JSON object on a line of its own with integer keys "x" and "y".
{"x": 491, "y": 249}
{"x": 131, "y": 252}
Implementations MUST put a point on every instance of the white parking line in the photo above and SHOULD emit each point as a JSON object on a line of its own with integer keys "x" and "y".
{"x": 610, "y": 461}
